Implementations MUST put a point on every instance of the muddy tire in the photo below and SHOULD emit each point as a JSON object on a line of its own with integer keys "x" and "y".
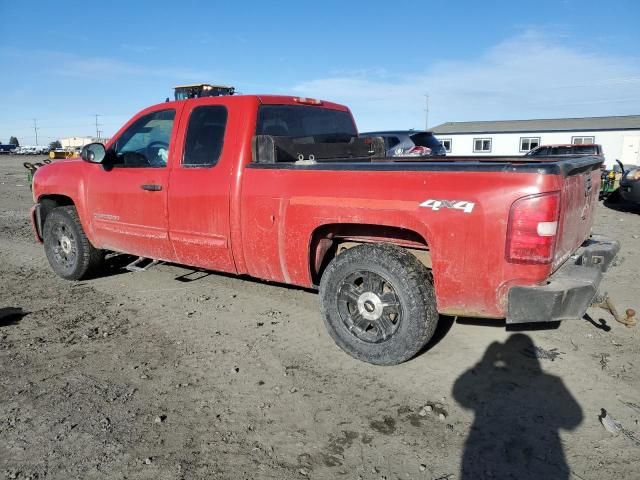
{"x": 68, "y": 249}
{"x": 378, "y": 303}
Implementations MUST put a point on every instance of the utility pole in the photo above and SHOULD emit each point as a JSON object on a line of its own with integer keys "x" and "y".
{"x": 426, "y": 119}
{"x": 35, "y": 129}
{"x": 97, "y": 125}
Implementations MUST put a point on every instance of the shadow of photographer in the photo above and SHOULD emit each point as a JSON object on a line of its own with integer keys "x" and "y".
{"x": 519, "y": 410}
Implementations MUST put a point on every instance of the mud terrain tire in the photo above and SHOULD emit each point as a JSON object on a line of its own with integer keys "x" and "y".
{"x": 68, "y": 249}
{"x": 378, "y": 303}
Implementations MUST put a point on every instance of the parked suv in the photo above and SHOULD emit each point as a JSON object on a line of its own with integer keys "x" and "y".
{"x": 409, "y": 143}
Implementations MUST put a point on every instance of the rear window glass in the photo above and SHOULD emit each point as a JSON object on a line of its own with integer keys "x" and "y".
{"x": 313, "y": 123}
{"x": 425, "y": 140}
{"x": 561, "y": 151}
{"x": 574, "y": 150}
{"x": 585, "y": 149}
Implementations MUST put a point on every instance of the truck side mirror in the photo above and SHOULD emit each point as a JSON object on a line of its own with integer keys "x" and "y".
{"x": 94, "y": 153}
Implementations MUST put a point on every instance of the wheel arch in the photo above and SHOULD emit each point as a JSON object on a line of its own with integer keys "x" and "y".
{"x": 329, "y": 240}
{"x": 50, "y": 201}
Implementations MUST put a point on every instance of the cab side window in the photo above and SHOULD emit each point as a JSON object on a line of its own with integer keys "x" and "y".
{"x": 205, "y": 136}
{"x": 146, "y": 142}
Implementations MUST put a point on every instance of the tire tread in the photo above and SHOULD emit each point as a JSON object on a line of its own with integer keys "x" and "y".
{"x": 91, "y": 258}
{"x": 402, "y": 264}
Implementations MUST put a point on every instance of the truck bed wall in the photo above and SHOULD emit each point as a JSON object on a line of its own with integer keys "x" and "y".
{"x": 281, "y": 209}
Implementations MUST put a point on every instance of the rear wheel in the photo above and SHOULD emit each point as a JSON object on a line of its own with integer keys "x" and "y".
{"x": 68, "y": 249}
{"x": 379, "y": 303}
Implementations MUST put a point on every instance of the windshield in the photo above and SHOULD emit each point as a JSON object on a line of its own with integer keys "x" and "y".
{"x": 313, "y": 123}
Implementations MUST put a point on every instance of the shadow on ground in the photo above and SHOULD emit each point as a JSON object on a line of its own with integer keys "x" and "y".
{"x": 11, "y": 315}
{"x": 601, "y": 324}
{"x": 519, "y": 410}
{"x": 511, "y": 327}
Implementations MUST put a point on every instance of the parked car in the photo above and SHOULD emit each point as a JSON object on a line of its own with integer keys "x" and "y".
{"x": 282, "y": 189}
{"x": 409, "y": 143}
{"x": 32, "y": 150}
{"x": 6, "y": 148}
{"x": 568, "y": 149}
{"x": 630, "y": 184}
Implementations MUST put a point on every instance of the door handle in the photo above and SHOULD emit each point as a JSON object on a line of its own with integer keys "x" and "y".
{"x": 151, "y": 187}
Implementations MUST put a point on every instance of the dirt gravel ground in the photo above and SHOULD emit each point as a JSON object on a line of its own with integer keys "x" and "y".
{"x": 171, "y": 374}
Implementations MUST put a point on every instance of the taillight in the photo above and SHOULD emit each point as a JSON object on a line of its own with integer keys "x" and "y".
{"x": 418, "y": 150}
{"x": 532, "y": 228}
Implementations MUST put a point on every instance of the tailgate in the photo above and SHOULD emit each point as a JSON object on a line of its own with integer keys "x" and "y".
{"x": 579, "y": 195}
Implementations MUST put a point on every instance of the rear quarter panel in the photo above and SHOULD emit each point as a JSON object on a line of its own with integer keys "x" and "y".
{"x": 281, "y": 209}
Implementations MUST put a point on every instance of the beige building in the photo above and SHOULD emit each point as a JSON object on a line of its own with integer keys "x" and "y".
{"x": 74, "y": 142}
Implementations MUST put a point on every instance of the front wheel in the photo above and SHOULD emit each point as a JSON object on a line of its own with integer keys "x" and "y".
{"x": 378, "y": 303}
{"x": 68, "y": 249}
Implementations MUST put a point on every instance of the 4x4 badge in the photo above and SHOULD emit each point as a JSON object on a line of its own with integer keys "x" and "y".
{"x": 435, "y": 205}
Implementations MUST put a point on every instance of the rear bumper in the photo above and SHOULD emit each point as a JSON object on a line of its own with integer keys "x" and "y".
{"x": 569, "y": 291}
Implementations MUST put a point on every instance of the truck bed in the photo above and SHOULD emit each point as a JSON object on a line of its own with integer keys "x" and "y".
{"x": 307, "y": 197}
{"x": 558, "y": 165}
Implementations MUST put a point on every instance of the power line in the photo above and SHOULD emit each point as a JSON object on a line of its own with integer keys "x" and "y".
{"x": 426, "y": 119}
{"x": 97, "y": 125}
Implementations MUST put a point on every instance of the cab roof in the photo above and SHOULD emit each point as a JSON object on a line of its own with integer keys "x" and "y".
{"x": 266, "y": 100}
{"x": 554, "y": 145}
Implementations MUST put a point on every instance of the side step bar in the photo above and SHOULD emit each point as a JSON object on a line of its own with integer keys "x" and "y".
{"x": 141, "y": 264}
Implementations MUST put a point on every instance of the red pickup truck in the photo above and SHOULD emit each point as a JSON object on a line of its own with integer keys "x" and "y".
{"x": 283, "y": 189}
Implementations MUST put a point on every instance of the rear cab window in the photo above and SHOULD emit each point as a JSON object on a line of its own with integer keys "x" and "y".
{"x": 306, "y": 124}
{"x": 585, "y": 150}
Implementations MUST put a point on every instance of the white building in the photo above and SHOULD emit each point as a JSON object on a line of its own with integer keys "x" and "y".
{"x": 619, "y": 136}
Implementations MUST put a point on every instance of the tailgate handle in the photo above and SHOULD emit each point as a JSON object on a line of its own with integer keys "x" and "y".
{"x": 151, "y": 187}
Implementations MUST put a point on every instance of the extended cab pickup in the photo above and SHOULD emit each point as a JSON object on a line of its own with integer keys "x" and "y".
{"x": 282, "y": 189}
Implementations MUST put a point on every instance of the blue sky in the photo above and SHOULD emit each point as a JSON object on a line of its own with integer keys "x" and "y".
{"x": 65, "y": 61}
